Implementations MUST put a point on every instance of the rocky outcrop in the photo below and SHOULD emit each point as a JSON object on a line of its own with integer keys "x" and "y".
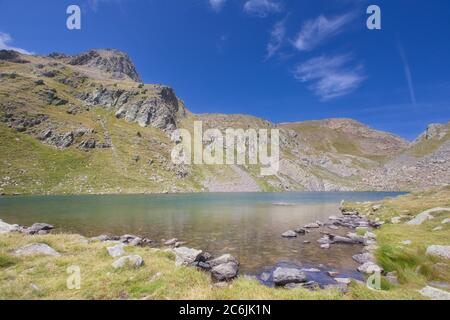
{"x": 36, "y": 249}
{"x": 114, "y": 62}
{"x": 426, "y": 215}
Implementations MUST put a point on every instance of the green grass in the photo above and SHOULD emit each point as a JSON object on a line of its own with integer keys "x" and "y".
{"x": 413, "y": 266}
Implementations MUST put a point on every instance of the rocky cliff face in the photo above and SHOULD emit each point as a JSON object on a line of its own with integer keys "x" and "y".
{"x": 85, "y": 124}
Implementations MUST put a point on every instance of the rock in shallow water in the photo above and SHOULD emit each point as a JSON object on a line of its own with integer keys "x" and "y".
{"x": 283, "y": 276}
{"x": 226, "y": 258}
{"x": 40, "y": 228}
{"x": 38, "y": 249}
{"x": 225, "y": 271}
{"x": 289, "y": 234}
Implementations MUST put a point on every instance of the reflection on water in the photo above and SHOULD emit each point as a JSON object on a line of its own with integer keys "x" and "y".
{"x": 247, "y": 225}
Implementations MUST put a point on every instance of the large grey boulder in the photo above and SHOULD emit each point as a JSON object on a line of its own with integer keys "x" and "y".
{"x": 439, "y": 251}
{"x": 39, "y": 228}
{"x": 186, "y": 256}
{"x": 426, "y": 215}
{"x": 226, "y": 258}
{"x": 283, "y": 276}
{"x": 225, "y": 271}
{"x": 7, "y": 228}
{"x": 133, "y": 261}
{"x": 116, "y": 251}
{"x": 435, "y": 294}
{"x": 36, "y": 249}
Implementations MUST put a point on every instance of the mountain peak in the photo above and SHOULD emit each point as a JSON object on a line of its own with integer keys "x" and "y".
{"x": 114, "y": 62}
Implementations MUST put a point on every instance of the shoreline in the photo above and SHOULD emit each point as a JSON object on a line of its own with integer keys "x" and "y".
{"x": 187, "y": 258}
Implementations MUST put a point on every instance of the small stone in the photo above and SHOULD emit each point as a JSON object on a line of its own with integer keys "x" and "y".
{"x": 116, "y": 251}
{"x": 300, "y": 230}
{"x": 133, "y": 261}
{"x": 406, "y": 242}
{"x": 445, "y": 221}
{"x": 311, "y": 226}
{"x": 332, "y": 227}
{"x": 332, "y": 273}
{"x": 345, "y": 281}
{"x": 369, "y": 268}
{"x": 325, "y": 246}
{"x": 364, "y": 257}
{"x": 439, "y": 228}
{"x": 392, "y": 278}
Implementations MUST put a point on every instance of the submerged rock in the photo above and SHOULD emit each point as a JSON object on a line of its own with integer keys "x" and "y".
{"x": 311, "y": 226}
{"x": 36, "y": 249}
{"x": 284, "y": 276}
{"x": 289, "y": 234}
{"x": 133, "y": 261}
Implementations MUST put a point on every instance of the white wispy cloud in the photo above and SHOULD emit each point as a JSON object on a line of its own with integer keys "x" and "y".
{"x": 5, "y": 40}
{"x": 277, "y": 36}
{"x": 408, "y": 75}
{"x": 315, "y": 32}
{"x": 217, "y": 5}
{"x": 331, "y": 77}
{"x": 262, "y": 8}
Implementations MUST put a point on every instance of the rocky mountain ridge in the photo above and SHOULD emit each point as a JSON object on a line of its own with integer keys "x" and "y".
{"x": 86, "y": 124}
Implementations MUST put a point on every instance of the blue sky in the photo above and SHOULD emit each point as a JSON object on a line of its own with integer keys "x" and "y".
{"x": 283, "y": 60}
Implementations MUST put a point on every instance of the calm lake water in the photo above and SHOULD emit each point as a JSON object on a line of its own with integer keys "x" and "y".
{"x": 247, "y": 225}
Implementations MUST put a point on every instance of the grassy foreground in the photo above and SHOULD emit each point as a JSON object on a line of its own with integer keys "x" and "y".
{"x": 42, "y": 277}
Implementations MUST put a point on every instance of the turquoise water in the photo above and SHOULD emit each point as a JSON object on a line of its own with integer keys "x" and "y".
{"x": 247, "y": 225}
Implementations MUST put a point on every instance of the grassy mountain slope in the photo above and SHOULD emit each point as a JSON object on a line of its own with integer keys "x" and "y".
{"x": 83, "y": 124}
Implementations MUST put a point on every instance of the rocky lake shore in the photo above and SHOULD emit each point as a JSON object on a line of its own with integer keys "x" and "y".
{"x": 404, "y": 240}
